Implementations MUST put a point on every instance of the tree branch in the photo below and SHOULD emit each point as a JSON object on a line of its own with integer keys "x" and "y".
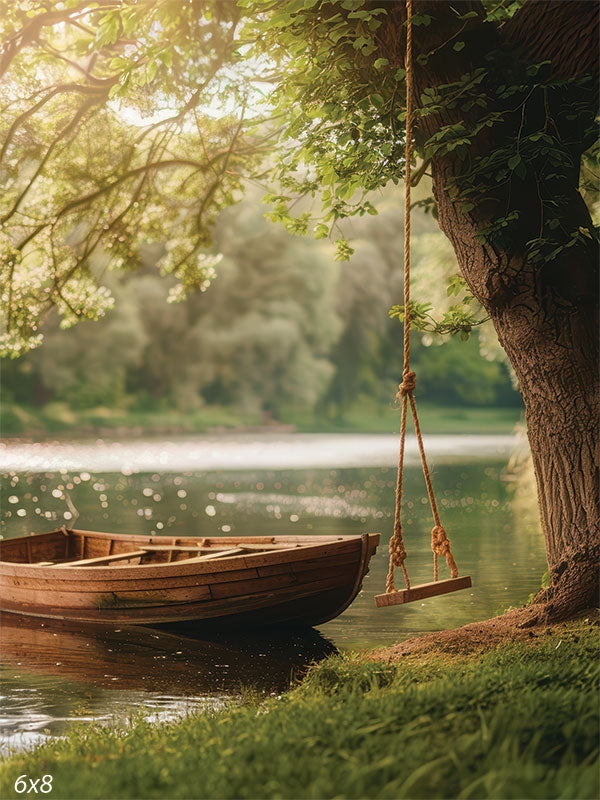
{"x": 63, "y": 88}
{"x": 64, "y": 133}
{"x": 89, "y": 198}
{"x": 30, "y": 32}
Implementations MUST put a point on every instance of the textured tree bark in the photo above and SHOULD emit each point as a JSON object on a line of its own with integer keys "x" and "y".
{"x": 554, "y": 352}
{"x": 546, "y": 316}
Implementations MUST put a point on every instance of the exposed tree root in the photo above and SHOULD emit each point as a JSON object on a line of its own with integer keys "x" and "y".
{"x": 519, "y": 624}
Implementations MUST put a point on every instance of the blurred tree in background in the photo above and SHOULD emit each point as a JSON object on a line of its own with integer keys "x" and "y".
{"x": 284, "y": 327}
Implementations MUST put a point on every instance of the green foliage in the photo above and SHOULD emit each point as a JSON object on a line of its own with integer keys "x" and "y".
{"x": 128, "y": 126}
{"x": 283, "y": 330}
{"x": 118, "y": 129}
{"x": 537, "y": 155}
{"x": 336, "y": 100}
{"x": 104, "y": 149}
{"x": 343, "y": 102}
{"x": 501, "y": 10}
{"x": 258, "y": 342}
{"x": 456, "y": 320}
{"x": 90, "y": 367}
{"x": 455, "y": 373}
{"x": 519, "y": 720}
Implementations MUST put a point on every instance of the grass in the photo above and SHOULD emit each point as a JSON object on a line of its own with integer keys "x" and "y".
{"x": 518, "y": 721}
{"x": 365, "y": 417}
{"x": 59, "y": 417}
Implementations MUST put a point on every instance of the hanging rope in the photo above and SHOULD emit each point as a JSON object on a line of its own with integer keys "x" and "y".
{"x": 440, "y": 544}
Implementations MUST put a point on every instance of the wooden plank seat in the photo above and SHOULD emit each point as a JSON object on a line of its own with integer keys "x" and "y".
{"x": 421, "y": 592}
{"x": 234, "y": 551}
{"x": 211, "y": 552}
{"x": 282, "y": 546}
{"x": 89, "y": 562}
{"x": 246, "y": 548}
{"x": 182, "y": 548}
{"x": 208, "y": 549}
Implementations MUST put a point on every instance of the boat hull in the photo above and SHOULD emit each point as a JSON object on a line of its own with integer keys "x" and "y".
{"x": 307, "y": 580}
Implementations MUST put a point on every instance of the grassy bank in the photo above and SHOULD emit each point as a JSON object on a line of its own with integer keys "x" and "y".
{"x": 58, "y": 418}
{"x": 518, "y": 721}
{"x": 366, "y": 418}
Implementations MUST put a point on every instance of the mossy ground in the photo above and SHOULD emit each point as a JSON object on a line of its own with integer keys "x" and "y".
{"x": 518, "y": 720}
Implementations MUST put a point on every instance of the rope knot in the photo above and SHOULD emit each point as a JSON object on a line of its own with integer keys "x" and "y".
{"x": 440, "y": 544}
{"x": 409, "y": 382}
{"x": 397, "y": 551}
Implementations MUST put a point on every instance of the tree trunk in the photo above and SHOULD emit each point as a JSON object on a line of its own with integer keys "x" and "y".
{"x": 554, "y": 353}
{"x": 545, "y": 314}
{"x": 560, "y": 389}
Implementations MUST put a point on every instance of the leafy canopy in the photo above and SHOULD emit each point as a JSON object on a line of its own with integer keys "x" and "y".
{"x": 129, "y": 121}
{"x": 104, "y": 148}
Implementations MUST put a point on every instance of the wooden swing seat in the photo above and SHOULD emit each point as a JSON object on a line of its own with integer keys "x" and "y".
{"x": 421, "y": 592}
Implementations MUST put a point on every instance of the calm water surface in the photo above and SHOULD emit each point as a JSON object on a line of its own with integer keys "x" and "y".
{"x": 249, "y": 485}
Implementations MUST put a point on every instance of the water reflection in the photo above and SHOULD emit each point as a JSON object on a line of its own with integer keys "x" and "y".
{"x": 55, "y": 671}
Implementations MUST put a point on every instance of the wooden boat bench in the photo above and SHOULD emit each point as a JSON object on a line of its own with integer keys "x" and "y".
{"x": 211, "y": 552}
{"x": 89, "y": 562}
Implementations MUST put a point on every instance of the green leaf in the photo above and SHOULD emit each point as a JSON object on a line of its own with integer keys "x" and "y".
{"x": 151, "y": 70}
{"x": 166, "y": 56}
{"x": 343, "y": 250}
{"x": 361, "y": 42}
{"x": 108, "y": 30}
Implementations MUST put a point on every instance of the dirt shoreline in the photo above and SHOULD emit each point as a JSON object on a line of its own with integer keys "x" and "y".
{"x": 517, "y": 625}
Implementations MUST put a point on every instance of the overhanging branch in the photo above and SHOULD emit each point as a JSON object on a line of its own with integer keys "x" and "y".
{"x": 29, "y": 33}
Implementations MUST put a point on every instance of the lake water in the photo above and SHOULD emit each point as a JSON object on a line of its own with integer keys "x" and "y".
{"x": 250, "y": 485}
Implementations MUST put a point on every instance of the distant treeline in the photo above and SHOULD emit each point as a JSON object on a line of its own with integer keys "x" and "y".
{"x": 283, "y": 326}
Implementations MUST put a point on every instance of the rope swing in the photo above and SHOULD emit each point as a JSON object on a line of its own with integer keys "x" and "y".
{"x": 440, "y": 544}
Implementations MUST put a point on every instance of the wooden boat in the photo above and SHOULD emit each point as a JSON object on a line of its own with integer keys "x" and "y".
{"x": 140, "y": 580}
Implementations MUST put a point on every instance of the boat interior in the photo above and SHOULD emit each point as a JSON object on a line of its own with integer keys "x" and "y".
{"x": 77, "y": 548}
